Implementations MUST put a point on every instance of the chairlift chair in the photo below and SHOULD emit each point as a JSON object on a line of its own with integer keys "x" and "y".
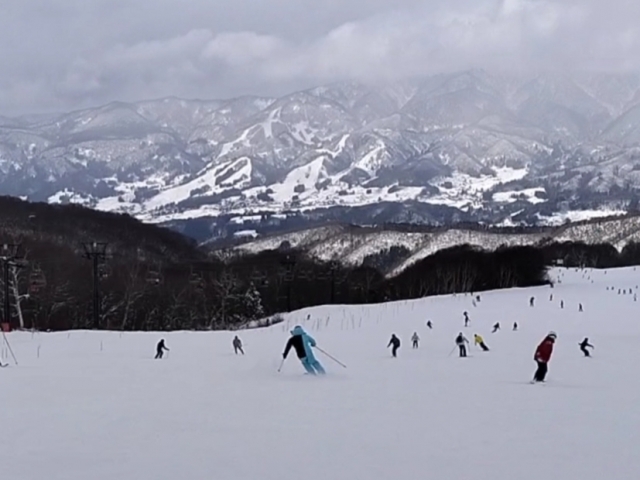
{"x": 154, "y": 277}
{"x": 195, "y": 279}
{"x": 37, "y": 279}
{"x": 104, "y": 271}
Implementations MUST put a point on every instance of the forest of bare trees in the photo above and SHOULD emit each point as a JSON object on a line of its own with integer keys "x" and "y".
{"x": 151, "y": 278}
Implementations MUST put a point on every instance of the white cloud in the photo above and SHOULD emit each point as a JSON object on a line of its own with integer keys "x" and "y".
{"x": 196, "y": 49}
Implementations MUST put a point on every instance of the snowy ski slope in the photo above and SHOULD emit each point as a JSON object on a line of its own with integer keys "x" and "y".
{"x": 89, "y": 405}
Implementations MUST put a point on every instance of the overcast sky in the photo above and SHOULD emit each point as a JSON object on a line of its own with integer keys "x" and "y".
{"x": 66, "y": 54}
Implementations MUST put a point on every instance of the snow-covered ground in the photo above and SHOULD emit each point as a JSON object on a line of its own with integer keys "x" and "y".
{"x": 89, "y": 405}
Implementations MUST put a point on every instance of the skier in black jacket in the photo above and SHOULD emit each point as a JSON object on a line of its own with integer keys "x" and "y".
{"x": 395, "y": 344}
{"x": 461, "y": 342}
{"x": 160, "y": 349}
{"x": 584, "y": 345}
{"x": 303, "y": 344}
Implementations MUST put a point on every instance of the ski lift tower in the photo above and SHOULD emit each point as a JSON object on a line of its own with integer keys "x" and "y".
{"x": 8, "y": 254}
{"x": 97, "y": 253}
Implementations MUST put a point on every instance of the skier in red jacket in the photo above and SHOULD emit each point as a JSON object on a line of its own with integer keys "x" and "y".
{"x": 542, "y": 356}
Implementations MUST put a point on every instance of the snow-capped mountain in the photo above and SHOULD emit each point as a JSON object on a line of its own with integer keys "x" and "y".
{"x": 463, "y": 146}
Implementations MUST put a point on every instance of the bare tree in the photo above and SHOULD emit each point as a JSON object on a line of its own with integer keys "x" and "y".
{"x": 225, "y": 286}
{"x": 15, "y": 269}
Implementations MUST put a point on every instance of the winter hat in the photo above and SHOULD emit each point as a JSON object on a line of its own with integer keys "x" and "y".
{"x": 552, "y": 335}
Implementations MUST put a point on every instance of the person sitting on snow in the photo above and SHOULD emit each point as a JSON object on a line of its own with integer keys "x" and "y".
{"x": 302, "y": 342}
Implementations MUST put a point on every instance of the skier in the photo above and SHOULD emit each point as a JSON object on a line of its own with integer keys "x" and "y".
{"x": 496, "y": 327}
{"x": 160, "y": 349}
{"x": 542, "y": 357}
{"x": 515, "y": 326}
{"x": 395, "y": 344}
{"x": 561, "y": 303}
{"x": 302, "y": 342}
{"x": 429, "y": 324}
{"x": 466, "y": 319}
{"x": 237, "y": 345}
{"x": 531, "y": 301}
{"x": 580, "y": 308}
{"x": 415, "y": 339}
{"x": 478, "y": 340}
{"x": 462, "y": 342}
{"x": 551, "y": 297}
{"x": 583, "y": 346}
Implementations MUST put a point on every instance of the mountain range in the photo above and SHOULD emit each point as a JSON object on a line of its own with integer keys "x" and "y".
{"x": 466, "y": 146}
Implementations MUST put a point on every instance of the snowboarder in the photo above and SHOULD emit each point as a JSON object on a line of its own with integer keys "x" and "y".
{"x": 496, "y": 327}
{"x": 461, "y": 342}
{"x": 466, "y": 319}
{"x": 237, "y": 345}
{"x": 415, "y": 339}
{"x": 478, "y": 340}
{"x": 394, "y": 343}
{"x": 302, "y": 343}
{"x": 160, "y": 348}
{"x": 515, "y": 326}
{"x": 542, "y": 357}
{"x": 429, "y": 324}
{"x": 531, "y": 301}
{"x": 584, "y": 345}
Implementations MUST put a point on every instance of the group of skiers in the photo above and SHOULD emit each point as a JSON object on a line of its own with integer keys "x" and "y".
{"x": 303, "y": 345}
{"x": 544, "y": 351}
{"x": 394, "y": 343}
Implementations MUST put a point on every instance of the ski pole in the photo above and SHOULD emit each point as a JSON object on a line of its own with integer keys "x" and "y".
{"x": 281, "y": 364}
{"x": 332, "y": 357}
{"x": 453, "y": 350}
{"x": 9, "y": 346}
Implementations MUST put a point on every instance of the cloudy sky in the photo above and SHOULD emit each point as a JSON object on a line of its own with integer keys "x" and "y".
{"x": 65, "y": 54}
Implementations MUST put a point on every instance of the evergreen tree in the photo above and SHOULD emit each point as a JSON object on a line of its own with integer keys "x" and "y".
{"x": 253, "y": 309}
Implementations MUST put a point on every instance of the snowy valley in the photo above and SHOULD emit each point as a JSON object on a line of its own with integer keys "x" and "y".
{"x": 466, "y": 146}
{"x": 111, "y": 411}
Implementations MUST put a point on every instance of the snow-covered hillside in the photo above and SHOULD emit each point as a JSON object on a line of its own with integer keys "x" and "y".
{"x": 351, "y": 245}
{"x": 96, "y": 405}
{"x": 468, "y": 145}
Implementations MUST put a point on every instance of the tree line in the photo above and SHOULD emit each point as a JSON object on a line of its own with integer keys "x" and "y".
{"x": 156, "y": 279}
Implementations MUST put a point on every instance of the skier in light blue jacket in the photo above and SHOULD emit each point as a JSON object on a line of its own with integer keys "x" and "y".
{"x": 303, "y": 344}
